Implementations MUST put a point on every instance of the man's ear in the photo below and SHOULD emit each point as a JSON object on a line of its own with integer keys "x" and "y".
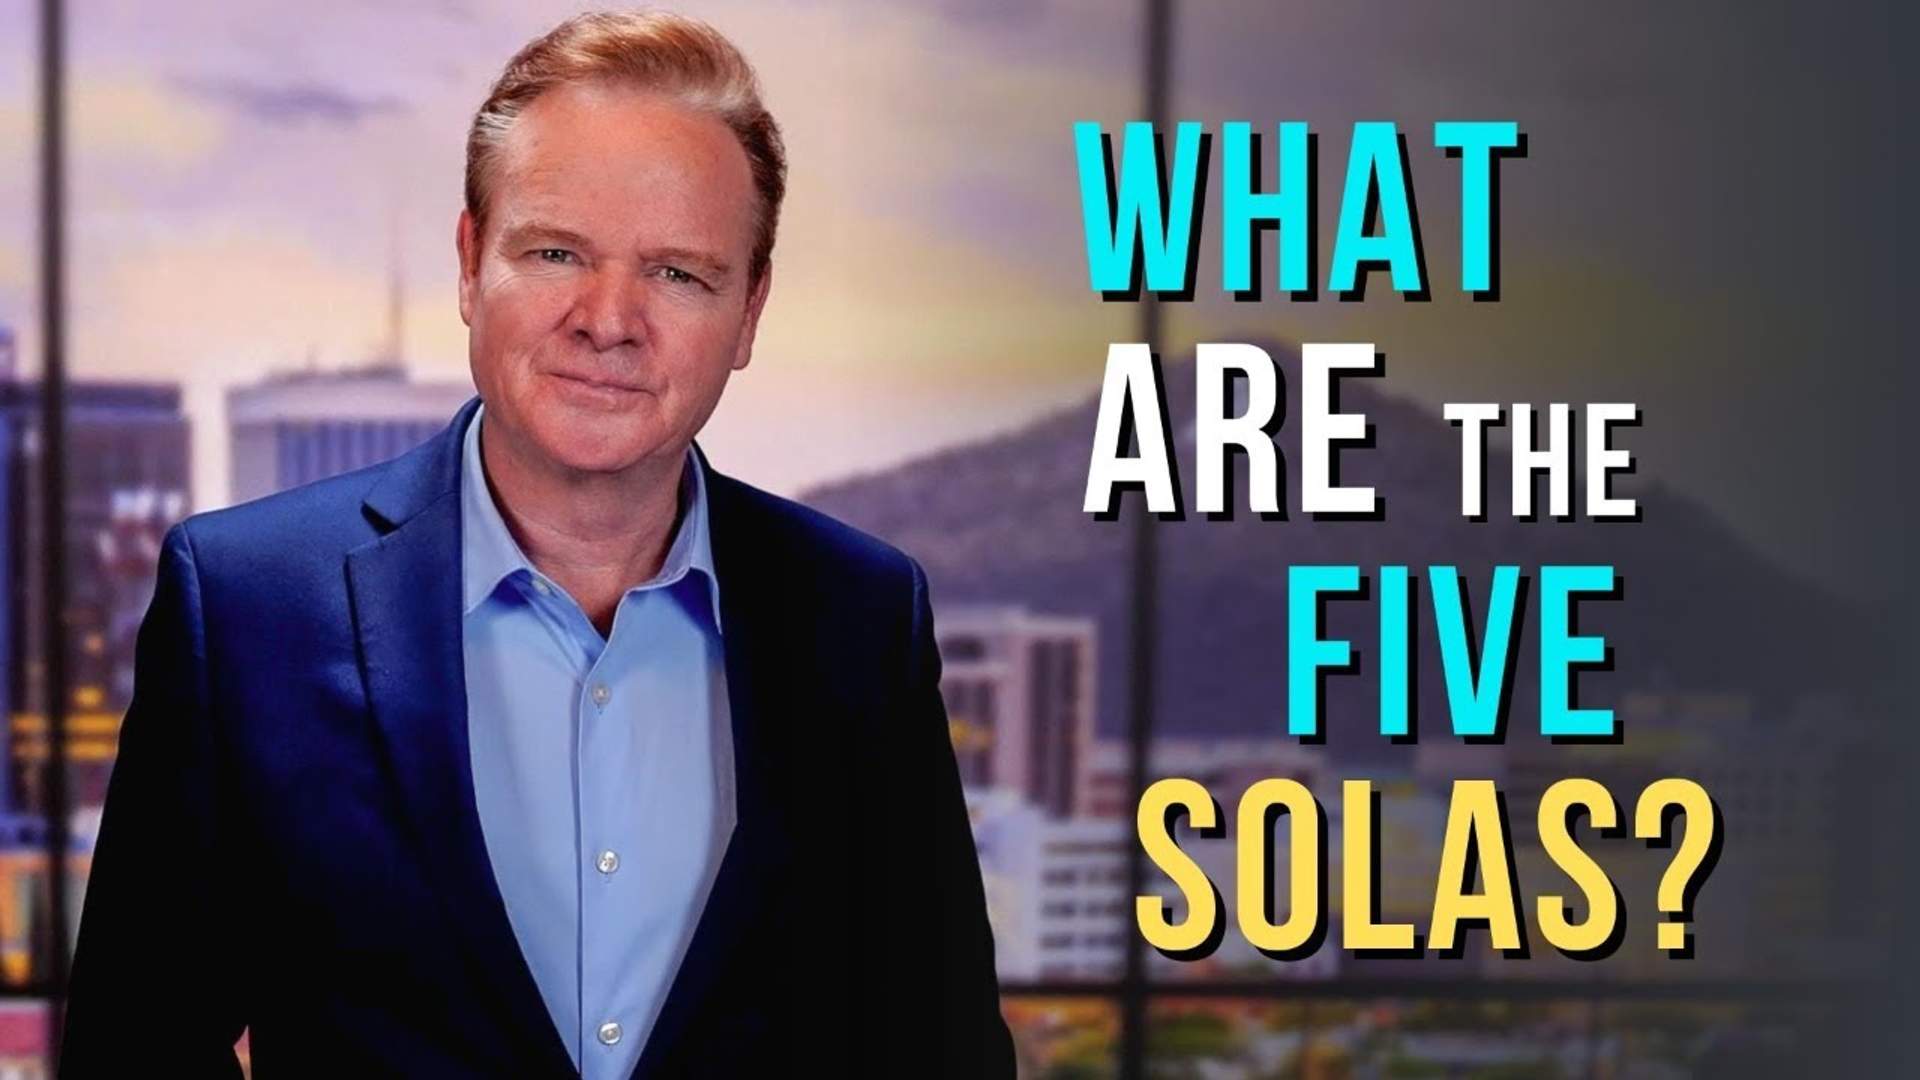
{"x": 466, "y": 243}
{"x": 756, "y": 302}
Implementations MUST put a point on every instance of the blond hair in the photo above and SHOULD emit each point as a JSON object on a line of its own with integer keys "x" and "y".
{"x": 683, "y": 58}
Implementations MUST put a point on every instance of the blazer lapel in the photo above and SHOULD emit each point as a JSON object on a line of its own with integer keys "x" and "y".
{"x": 405, "y": 589}
{"x": 749, "y": 601}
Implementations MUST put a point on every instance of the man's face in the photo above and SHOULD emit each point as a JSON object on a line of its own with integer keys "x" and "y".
{"x": 607, "y": 299}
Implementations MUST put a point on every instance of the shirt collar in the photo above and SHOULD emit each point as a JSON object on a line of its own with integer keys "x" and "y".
{"x": 489, "y": 553}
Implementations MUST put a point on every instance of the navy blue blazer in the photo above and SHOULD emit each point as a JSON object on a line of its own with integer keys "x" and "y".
{"x": 290, "y": 843}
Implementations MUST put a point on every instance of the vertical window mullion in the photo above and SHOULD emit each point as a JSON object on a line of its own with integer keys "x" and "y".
{"x": 53, "y": 532}
{"x": 1143, "y": 628}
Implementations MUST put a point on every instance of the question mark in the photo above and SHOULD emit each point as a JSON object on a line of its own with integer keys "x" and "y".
{"x": 1699, "y": 851}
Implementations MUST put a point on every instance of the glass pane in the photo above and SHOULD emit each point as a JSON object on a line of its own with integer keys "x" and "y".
{"x": 25, "y": 926}
{"x": 1061, "y": 1038}
{"x": 265, "y": 295}
{"x": 949, "y": 352}
{"x": 1622, "y": 278}
{"x": 1629, "y": 271}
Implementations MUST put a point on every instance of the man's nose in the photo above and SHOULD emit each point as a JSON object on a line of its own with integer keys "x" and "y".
{"x": 610, "y": 309}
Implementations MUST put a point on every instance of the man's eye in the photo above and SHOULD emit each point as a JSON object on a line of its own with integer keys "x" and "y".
{"x": 553, "y": 255}
{"x": 678, "y": 276}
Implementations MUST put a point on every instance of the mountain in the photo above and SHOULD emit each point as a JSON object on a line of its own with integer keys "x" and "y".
{"x": 999, "y": 521}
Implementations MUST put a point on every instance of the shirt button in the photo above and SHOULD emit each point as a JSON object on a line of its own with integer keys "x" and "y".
{"x": 609, "y": 1033}
{"x": 601, "y": 693}
{"x": 542, "y": 587}
{"x": 608, "y": 862}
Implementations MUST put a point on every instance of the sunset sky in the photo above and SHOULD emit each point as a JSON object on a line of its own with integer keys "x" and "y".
{"x": 1685, "y": 232}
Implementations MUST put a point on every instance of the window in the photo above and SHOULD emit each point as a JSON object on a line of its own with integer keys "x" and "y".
{"x": 195, "y": 387}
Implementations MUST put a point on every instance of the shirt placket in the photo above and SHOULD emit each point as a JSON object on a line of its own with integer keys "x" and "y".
{"x": 605, "y": 854}
{"x": 597, "y": 852}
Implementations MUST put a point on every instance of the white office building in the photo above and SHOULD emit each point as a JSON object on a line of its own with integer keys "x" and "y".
{"x": 294, "y": 428}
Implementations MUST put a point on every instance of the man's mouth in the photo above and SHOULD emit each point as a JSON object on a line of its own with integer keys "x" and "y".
{"x": 596, "y": 383}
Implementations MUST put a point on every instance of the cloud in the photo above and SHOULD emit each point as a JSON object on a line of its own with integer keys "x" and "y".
{"x": 290, "y": 103}
{"x": 120, "y": 119}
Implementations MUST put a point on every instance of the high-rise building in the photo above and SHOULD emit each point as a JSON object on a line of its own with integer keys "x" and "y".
{"x": 126, "y": 481}
{"x": 1019, "y": 693}
{"x": 1057, "y": 896}
{"x": 1055, "y": 888}
{"x": 294, "y": 428}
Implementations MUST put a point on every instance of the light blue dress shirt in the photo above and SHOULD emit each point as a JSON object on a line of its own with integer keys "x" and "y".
{"x": 602, "y": 768}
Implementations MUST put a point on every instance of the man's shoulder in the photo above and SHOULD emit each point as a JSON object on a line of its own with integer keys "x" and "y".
{"x": 318, "y": 520}
{"x": 759, "y": 526}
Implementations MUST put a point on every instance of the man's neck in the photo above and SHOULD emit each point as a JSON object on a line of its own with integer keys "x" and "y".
{"x": 596, "y": 534}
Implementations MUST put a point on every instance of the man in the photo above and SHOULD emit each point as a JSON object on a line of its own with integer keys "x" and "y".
{"x": 546, "y": 749}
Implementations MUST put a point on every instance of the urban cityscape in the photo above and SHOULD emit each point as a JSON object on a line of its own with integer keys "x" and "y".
{"x": 229, "y": 231}
{"x": 1047, "y": 782}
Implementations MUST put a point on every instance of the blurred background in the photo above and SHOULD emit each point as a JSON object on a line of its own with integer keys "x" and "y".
{"x": 241, "y": 278}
